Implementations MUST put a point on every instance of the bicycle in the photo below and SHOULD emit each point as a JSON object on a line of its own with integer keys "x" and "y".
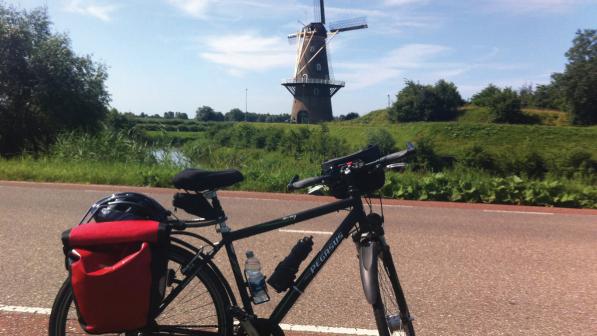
{"x": 214, "y": 303}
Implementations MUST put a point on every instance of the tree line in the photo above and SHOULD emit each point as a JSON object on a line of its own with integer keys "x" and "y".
{"x": 573, "y": 91}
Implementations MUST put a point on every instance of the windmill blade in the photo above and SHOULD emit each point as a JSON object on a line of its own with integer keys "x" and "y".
{"x": 292, "y": 38}
{"x": 318, "y": 11}
{"x": 349, "y": 24}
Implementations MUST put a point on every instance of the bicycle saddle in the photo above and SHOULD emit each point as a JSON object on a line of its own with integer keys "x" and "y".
{"x": 199, "y": 179}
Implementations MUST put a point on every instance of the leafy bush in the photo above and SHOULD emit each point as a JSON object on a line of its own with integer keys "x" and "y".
{"x": 505, "y": 107}
{"x": 527, "y": 163}
{"x": 426, "y": 159}
{"x": 459, "y": 187}
{"x": 382, "y": 138}
{"x": 486, "y": 96}
{"x": 579, "y": 164}
{"x": 295, "y": 142}
{"x": 477, "y": 157}
{"x": 418, "y": 102}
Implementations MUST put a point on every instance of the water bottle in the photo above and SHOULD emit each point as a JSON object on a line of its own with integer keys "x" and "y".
{"x": 255, "y": 279}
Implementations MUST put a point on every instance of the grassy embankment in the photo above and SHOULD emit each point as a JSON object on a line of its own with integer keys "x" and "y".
{"x": 269, "y": 167}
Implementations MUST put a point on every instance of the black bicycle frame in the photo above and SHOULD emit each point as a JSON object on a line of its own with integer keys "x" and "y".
{"x": 356, "y": 215}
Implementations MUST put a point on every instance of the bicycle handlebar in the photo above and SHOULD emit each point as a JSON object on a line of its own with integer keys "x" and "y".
{"x": 392, "y": 158}
{"x": 296, "y": 184}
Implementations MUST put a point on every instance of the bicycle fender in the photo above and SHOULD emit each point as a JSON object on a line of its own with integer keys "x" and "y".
{"x": 368, "y": 267}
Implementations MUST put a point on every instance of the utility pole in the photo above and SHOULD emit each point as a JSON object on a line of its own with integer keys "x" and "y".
{"x": 389, "y": 101}
{"x": 246, "y": 110}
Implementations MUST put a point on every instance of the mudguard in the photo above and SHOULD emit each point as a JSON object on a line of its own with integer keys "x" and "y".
{"x": 368, "y": 266}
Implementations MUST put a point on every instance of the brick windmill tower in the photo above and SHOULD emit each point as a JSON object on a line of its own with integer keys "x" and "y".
{"x": 311, "y": 84}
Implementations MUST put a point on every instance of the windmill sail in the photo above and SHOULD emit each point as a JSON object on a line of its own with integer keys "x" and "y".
{"x": 348, "y": 24}
{"x": 318, "y": 11}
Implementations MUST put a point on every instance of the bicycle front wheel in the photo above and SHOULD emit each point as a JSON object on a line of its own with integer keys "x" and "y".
{"x": 200, "y": 309}
{"x": 391, "y": 311}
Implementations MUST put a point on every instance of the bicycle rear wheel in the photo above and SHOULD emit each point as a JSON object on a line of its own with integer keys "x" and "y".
{"x": 200, "y": 309}
{"x": 391, "y": 311}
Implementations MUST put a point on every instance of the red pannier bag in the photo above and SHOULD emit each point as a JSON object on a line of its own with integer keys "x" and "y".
{"x": 118, "y": 273}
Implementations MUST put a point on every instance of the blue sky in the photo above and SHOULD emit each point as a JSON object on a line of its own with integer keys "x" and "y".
{"x": 180, "y": 54}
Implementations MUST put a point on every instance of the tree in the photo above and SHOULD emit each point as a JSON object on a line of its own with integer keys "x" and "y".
{"x": 44, "y": 87}
{"x": 206, "y": 113}
{"x": 449, "y": 100}
{"x": 527, "y": 95}
{"x": 413, "y": 103}
{"x": 181, "y": 115}
{"x": 235, "y": 115}
{"x": 504, "y": 107}
{"x": 486, "y": 95}
{"x": 549, "y": 96}
{"x": 418, "y": 102}
{"x": 169, "y": 115}
{"x": 349, "y": 116}
{"x": 579, "y": 80}
{"x": 117, "y": 121}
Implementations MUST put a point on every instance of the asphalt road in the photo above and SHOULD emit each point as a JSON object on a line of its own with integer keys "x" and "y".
{"x": 466, "y": 270}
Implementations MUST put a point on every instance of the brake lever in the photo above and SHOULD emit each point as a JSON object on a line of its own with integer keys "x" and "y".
{"x": 316, "y": 190}
{"x": 398, "y": 165}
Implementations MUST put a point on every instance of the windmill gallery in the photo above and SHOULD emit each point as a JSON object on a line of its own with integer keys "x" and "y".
{"x": 311, "y": 85}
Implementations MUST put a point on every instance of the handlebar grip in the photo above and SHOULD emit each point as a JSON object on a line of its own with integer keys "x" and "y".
{"x": 394, "y": 156}
{"x": 305, "y": 183}
{"x": 391, "y": 158}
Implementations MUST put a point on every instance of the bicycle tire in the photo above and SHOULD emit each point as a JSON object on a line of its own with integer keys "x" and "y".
{"x": 390, "y": 310}
{"x": 63, "y": 318}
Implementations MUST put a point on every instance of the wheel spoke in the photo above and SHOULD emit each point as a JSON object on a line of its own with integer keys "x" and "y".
{"x": 388, "y": 314}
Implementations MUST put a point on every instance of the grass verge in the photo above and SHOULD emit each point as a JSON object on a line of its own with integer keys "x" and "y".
{"x": 272, "y": 171}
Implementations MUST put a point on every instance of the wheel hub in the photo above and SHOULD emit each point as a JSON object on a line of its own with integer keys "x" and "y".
{"x": 394, "y": 322}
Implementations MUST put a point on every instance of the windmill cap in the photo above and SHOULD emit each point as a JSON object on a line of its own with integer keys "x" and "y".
{"x": 250, "y": 254}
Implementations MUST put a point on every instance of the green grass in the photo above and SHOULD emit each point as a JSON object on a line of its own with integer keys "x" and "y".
{"x": 473, "y": 114}
{"x": 96, "y": 172}
{"x": 271, "y": 171}
{"x": 549, "y": 117}
{"x": 377, "y": 117}
{"x": 451, "y": 138}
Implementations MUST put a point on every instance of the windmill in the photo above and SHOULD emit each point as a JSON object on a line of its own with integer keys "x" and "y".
{"x": 311, "y": 85}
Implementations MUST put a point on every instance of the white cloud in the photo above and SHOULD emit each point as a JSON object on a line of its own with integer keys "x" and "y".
{"x": 102, "y": 12}
{"x": 394, "y": 64}
{"x": 247, "y": 52}
{"x": 528, "y": 6}
{"x": 416, "y": 61}
{"x": 403, "y": 2}
{"x": 195, "y": 8}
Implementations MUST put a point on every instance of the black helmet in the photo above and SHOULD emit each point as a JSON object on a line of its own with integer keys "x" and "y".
{"x": 127, "y": 206}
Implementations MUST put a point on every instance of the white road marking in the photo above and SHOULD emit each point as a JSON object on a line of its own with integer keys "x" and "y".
{"x": 521, "y": 212}
{"x": 252, "y": 198}
{"x": 21, "y": 309}
{"x": 328, "y": 233}
{"x": 398, "y": 206}
{"x": 328, "y": 330}
{"x": 287, "y": 327}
